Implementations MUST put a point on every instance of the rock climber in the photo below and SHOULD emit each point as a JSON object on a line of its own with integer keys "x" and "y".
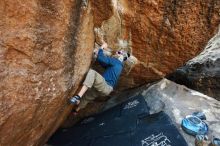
{"x": 95, "y": 84}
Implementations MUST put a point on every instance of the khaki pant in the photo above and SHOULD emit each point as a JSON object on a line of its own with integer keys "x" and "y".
{"x": 97, "y": 87}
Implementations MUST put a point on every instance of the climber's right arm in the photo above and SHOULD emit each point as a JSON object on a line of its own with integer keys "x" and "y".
{"x": 101, "y": 58}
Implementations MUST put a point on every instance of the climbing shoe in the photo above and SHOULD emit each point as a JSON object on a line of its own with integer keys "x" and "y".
{"x": 75, "y": 100}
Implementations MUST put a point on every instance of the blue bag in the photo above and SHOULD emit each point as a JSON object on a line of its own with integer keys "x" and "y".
{"x": 194, "y": 126}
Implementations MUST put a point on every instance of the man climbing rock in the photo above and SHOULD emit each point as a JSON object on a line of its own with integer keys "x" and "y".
{"x": 96, "y": 84}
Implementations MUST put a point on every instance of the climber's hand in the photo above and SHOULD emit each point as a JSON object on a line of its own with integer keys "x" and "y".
{"x": 104, "y": 46}
{"x": 95, "y": 53}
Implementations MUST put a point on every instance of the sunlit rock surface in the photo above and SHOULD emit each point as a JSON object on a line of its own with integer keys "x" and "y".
{"x": 162, "y": 33}
{"x": 42, "y": 44}
{"x": 202, "y": 73}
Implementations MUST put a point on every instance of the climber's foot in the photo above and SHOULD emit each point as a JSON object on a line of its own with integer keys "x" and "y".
{"x": 75, "y": 100}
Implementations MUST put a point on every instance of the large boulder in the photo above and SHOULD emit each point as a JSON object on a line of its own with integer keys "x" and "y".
{"x": 43, "y": 57}
{"x": 202, "y": 73}
{"x": 161, "y": 33}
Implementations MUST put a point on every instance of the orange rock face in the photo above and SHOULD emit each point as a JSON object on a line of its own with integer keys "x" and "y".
{"x": 46, "y": 48}
{"x": 43, "y": 57}
{"x": 163, "y": 33}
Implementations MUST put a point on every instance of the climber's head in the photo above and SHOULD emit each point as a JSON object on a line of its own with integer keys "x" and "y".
{"x": 122, "y": 55}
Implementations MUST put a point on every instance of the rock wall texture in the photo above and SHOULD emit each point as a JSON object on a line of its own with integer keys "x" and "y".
{"x": 202, "y": 73}
{"x": 46, "y": 48}
{"x": 42, "y": 44}
{"x": 162, "y": 33}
